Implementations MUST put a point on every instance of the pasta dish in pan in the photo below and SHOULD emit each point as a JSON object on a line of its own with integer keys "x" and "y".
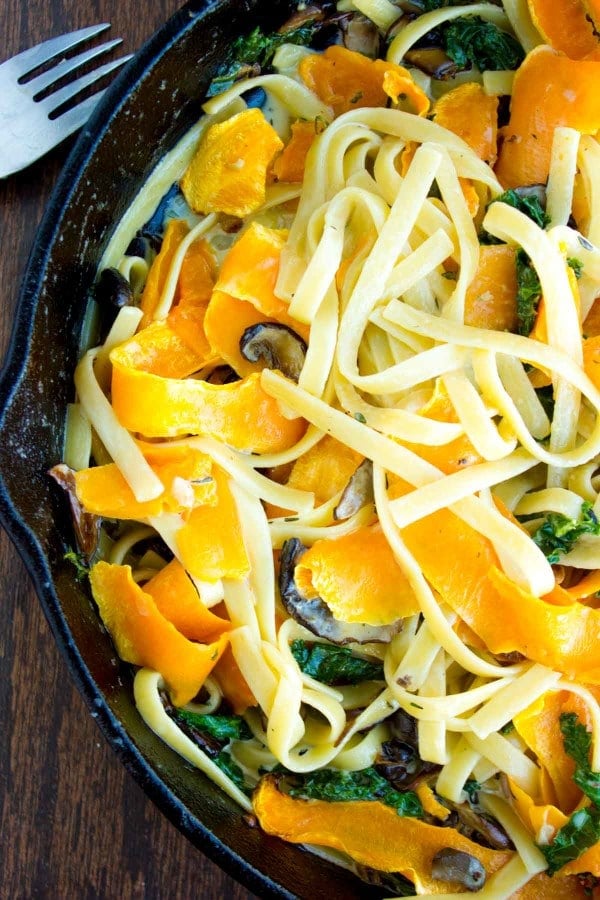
{"x": 334, "y": 458}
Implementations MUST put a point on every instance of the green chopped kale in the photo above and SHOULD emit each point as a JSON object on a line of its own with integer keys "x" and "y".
{"x": 470, "y": 40}
{"x": 430, "y": 5}
{"x": 580, "y": 833}
{"x": 582, "y": 830}
{"x": 530, "y": 206}
{"x": 230, "y": 768}
{"x": 335, "y": 786}
{"x": 558, "y": 534}
{"x": 578, "y": 743}
{"x": 223, "y": 728}
{"x": 471, "y": 787}
{"x": 334, "y": 665}
{"x": 255, "y": 49}
{"x": 529, "y": 293}
{"x": 576, "y": 265}
{"x": 82, "y": 570}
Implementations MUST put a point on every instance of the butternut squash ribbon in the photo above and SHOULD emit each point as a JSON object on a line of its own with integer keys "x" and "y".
{"x": 549, "y": 90}
{"x": 473, "y": 115}
{"x": 372, "y": 834}
{"x": 210, "y": 542}
{"x": 229, "y": 170}
{"x": 185, "y": 472}
{"x": 567, "y": 26}
{"x": 144, "y": 637}
{"x": 462, "y": 566}
{"x": 244, "y": 295}
{"x": 358, "y": 578}
{"x": 344, "y": 80}
{"x": 240, "y": 414}
{"x": 178, "y": 601}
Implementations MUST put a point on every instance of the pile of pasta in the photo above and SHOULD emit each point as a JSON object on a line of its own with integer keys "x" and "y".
{"x": 383, "y": 495}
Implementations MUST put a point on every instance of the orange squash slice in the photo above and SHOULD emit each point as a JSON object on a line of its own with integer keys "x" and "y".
{"x": 567, "y": 26}
{"x": 229, "y": 170}
{"x": 144, "y": 637}
{"x": 358, "y": 578}
{"x": 491, "y": 299}
{"x": 370, "y": 833}
{"x": 175, "y": 232}
{"x": 187, "y": 477}
{"x": 549, "y": 90}
{"x": 473, "y": 115}
{"x": 289, "y": 166}
{"x": 177, "y": 600}
{"x": 211, "y": 543}
{"x": 346, "y": 80}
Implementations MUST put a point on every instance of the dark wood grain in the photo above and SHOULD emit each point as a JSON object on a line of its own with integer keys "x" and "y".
{"x": 73, "y": 824}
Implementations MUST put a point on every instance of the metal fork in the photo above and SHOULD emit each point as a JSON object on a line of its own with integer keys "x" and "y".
{"x": 30, "y": 124}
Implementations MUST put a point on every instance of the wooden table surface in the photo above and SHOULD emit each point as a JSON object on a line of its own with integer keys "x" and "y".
{"x": 73, "y": 824}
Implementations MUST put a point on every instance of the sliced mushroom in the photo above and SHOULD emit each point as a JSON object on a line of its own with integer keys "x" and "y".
{"x": 86, "y": 525}
{"x": 361, "y": 34}
{"x": 315, "y": 614}
{"x": 404, "y": 727}
{"x": 479, "y": 827}
{"x": 454, "y": 865}
{"x": 113, "y": 290}
{"x": 305, "y": 15}
{"x": 400, "y": 763}
{"x": 357, "y": 493}
{"x": 433, "y": 61}
{"x": 277, "y": 345}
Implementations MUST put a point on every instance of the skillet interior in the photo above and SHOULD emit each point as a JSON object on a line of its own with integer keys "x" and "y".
{"x": 148, "y": 108}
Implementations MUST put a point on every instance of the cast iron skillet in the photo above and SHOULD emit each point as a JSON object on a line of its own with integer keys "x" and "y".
{"x": 148, "y": 108}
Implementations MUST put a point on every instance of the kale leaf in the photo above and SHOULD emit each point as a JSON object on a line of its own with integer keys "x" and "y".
{"x": 469, "y": 40}
{"x": 334, "y": 665}
{"x": 578, "y": 742}
{"x": 582, "y": 830}
{"x": 471, "y": 789}
{"x": 335, "y": 786}
{"x": 429, "y": 5}
{"x": 580, "y": 833}
{"x": 558, "y": 534}
{"x": 82, "y": 570}
{"x": 223, "y": 728}
{"x": 576, "y": 265}
{"x": 230, "y": 768}
{"x": 530, "y": 206}
{"x": 256, "y": 49}
{"x": 529, "y": 293}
